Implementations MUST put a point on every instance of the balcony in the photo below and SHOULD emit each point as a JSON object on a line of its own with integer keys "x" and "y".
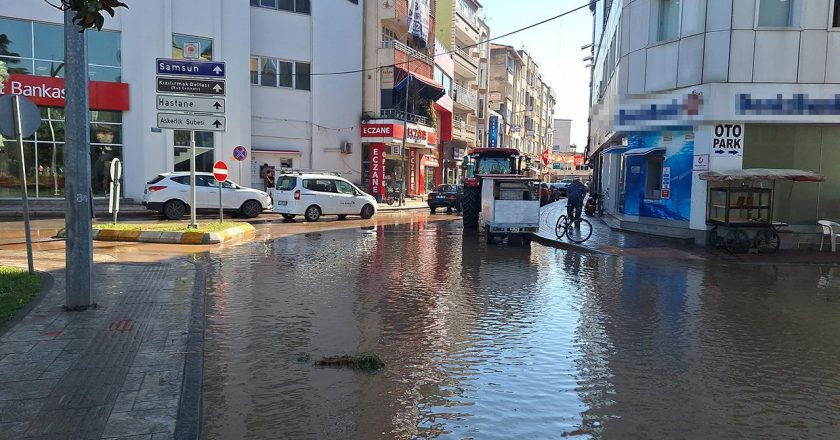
{"x": 403, "y": 116}
{"x": 464, "y": 97}
{"x": 465, "y": 24}
{"x": 463, "y": 130}
{"x": 466, "y": 62}
{"x": 404, "y": 57}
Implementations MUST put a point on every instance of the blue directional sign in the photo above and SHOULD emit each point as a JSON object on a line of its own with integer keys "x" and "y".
{"x": 211, "y": 69}
{"x": 240, "y": 153}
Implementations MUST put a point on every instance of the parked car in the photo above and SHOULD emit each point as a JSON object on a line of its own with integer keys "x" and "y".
{"x": 559, "y": 189}
{"x": 313, "y": 195}
{"x": 169, "y": 194}
{"x": 446, "y": 196}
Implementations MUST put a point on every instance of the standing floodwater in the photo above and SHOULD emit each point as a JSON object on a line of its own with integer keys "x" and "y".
{"x": 506, "y": 341}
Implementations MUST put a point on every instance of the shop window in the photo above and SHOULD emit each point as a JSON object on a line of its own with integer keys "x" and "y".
{"x": 204, "y": 148}
{"x": 775, "y": 13}
{"x": 668, "y": 23}
{"x": 184, "y": 45}
{"x": 653, "y": 177}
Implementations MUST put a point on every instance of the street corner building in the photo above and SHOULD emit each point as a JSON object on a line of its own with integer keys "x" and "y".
{"x": 679, "y": 90}
{"x": 267, "y": 102}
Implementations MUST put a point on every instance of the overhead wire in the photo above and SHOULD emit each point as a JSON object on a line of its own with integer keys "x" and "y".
{"x": 449, "y": 52}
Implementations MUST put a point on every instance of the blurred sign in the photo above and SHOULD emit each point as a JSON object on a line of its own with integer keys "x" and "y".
{"x": 493, "y": 132}
{"x": 701, "y": 162}
{"x": 666, "y": 182}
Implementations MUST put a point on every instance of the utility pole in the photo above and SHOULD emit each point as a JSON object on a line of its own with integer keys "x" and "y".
{"x": 406, "y": 172}
{"x": 78, "y": 203}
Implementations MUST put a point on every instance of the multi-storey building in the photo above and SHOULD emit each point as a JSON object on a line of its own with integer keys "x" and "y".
{"x": 283, "y": 115}
{"x": 505, "y": 72}
{"x": 459, "y": 30}
{"x": 566, "y": 161}
{"x": 680, "y": 87}
{"x": 482, "y": 122}
{"x": 400, "y": 127}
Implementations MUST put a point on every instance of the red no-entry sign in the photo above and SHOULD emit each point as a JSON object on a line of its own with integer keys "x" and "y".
{"x": 220, "y": 171}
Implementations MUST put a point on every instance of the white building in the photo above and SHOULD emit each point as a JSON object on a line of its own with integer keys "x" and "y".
{"x": 282, "y": 115}
{"x": 682, "y": 86}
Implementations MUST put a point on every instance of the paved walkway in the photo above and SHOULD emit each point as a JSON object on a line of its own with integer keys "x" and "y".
{"x": 608, "y": 241}
{"x": 111, "y": 372}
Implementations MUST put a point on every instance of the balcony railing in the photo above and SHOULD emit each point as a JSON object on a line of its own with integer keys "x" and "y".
{"x": 463, "y": 128}
{"x": 404, "y": 48}
{"x": 463, "y": 96}
{"x": 466, "y": 54}
{"x": 399, "y": 114}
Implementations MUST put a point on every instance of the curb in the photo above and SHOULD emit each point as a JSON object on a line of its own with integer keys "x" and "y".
{"x": 568, "y": 246}
{"x": 244, "y": 230}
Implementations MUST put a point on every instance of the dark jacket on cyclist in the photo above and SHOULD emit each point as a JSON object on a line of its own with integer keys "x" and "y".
{"x": 576, "y": 192}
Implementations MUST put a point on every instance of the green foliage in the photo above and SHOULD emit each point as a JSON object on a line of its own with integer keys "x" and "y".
{"x": 4, "y": 72}
{"x": 17, "y": 288}
{"x": 89, "y": 12}
{"x": 363, "y": 361}
{"x": 427, "y": 109}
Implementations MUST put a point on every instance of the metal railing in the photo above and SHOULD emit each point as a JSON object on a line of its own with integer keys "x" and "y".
{"x": 404, "y": 48}
{"x": 467, "y": 55}
{"x": 399, "y": 114}
{"x": 464, "y": 96}
{"x": 461, "y": 126}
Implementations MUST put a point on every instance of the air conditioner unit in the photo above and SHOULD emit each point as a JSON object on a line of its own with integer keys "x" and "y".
{"x": 346, "y": 148}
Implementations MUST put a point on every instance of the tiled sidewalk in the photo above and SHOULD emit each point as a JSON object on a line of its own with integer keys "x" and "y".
{"x": 111, "y": 372}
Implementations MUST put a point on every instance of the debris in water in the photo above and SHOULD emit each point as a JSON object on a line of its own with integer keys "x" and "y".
{"x": 363, "y": 361}
{"x": 304, "y": 358}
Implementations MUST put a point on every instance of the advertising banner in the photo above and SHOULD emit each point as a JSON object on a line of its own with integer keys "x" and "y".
{"x": 418, "y": 19}
{"x": 493, "y": 132}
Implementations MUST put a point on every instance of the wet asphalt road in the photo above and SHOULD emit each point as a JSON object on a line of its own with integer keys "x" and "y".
{"x": 506, "y": 341}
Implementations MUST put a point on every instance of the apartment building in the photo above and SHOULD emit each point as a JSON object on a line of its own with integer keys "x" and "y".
{"x": 458, "y": 28}
{"x": 506, "y": 68}
{"x": 399, "y": 132}
{"x": 284, "y": 116}
{"x": 680, "y": 87}
{"x": 482, "y": 121}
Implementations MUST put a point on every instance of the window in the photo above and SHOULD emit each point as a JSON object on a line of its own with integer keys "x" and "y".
{"x": 669, "y": 20}
{"x": 510, "y": 65}
{"x": 204, "y": 147}
{"x": 38, "y": 48}
{"x": 481, "y": 108}
{"x": 835, "y": 15}
{"x": 286, "y": 183}
{"x": 444, "y": 80}
{"x": 299, "y": 6}
{"x": 344, "y": 187}
{"x": 320, "y": 185}
{"x": 775, "y": 13}
{"x": 272, "y": 72}
{"x": 388, "y": 35}
{"x": 653, "y": 177}
{"x": 187, "y": 43}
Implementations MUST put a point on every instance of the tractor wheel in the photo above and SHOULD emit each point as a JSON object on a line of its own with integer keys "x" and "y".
{"x": 471, "y": 204}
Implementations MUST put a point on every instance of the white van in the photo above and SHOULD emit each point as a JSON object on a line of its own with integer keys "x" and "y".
{"x": 314, "y": 195}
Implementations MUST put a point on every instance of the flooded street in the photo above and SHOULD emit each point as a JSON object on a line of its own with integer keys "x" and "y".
{"x": 506, "y": 341}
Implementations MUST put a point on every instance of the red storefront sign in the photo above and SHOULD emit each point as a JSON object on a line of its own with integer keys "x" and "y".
{"x": 412, "y": 167}
{"x": 49, "y": 92}
{"x": 390, "y": 133}
{"x": 378, "y": 130}
{"x": 377, "y": 169}
{"x": 579, "y": 159}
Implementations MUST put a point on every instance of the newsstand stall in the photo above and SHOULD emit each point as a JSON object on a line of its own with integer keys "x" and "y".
{"x": 740, "y": 207}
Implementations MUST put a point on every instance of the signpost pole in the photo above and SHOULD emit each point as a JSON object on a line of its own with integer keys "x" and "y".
{"x": 193, "y": 223}
{"x": 221, "y": 210}
{"x": 24, "y": 191}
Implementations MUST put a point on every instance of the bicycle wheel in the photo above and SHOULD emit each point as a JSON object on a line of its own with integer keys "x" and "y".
{"x": 768, "y": 241}
{"x": 737, "y": 241}
{"x": 579, "y": 231}
{"x": 560, "y": 227}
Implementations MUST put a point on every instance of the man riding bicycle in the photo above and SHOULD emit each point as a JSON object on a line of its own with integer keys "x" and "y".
{"x": 575, "y": 193}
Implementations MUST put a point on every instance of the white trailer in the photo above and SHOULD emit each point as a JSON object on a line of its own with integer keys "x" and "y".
{"x": 510, "y": 205}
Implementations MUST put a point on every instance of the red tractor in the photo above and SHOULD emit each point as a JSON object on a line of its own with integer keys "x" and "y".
{"x": 486, "y": 162}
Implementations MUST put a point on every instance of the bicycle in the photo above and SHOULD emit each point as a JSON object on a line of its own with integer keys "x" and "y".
{"x": 576, "y": 231}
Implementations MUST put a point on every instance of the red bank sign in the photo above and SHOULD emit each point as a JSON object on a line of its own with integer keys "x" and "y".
{"x": 49, "y": 92}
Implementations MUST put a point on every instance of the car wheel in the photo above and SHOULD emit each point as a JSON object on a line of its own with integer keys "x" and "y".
{"x": 289, "y": 216}
{"x": 312, "y": 213}
{"x": 342, "y": 217}
{"x": 367, "y": 212}
{"x": 174, "y": 209}
{"x": 434, "y": 210}
{"x": 251, "y": 209}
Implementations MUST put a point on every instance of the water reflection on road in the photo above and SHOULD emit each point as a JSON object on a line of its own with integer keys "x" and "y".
{"x": 513, "y": 342}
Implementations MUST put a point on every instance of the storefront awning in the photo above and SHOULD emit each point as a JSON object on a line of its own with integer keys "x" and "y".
{"x": 618, "y": 149}
{"x": 428, "y": 88}
{"x": 644, "y": 151}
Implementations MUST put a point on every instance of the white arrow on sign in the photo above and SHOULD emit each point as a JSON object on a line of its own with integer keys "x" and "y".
{"x": 217, "y": 88}
{"x": 217, "y": 70}
{"x": 190, "y": 104}
{"x": 176, "y": 121}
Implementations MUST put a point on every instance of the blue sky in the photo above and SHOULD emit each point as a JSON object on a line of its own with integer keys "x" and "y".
{"x": 555, "y": 46}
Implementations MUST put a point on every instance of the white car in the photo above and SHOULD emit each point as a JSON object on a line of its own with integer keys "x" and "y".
{"x": 314, "y": 195}
{"x": 169, "y": 194}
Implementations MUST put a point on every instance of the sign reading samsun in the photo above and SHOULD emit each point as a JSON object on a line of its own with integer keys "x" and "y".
{"x": 49, "y": 92}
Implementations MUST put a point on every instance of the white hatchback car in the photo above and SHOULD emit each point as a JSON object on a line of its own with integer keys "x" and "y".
{"x": 314, "y": 195}
{"x": 169, "y": 194}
